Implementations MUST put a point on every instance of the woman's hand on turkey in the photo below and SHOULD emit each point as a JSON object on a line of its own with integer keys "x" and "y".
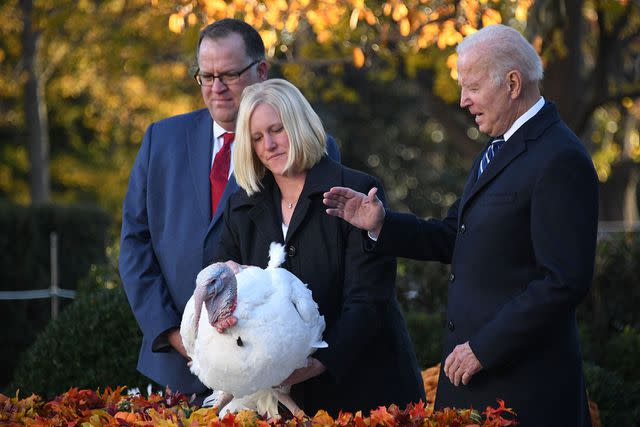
{"x": 313, "y": 369}
{"x": 364, "y": 211}
{"x": 235, "y": 267}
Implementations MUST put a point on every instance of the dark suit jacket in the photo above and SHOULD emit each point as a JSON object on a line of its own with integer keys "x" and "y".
{"x": 166, "y": 224}
{"x": 521, "y": 243}
{"x": 370, "y": 359}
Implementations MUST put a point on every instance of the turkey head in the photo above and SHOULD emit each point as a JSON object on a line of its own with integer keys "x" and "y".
{"x": 216, "y": 288}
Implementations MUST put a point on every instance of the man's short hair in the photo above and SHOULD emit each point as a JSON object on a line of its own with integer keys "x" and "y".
{"x": 503, "y": 49}
{"x": 223, "y": 28}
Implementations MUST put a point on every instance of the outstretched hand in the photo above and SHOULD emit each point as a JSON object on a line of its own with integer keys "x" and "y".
{"x": 364, "y": 211}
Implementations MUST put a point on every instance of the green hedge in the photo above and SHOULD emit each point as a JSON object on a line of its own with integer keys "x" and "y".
{"x": 93, "y": 344}
{"x": 25, "y": 265}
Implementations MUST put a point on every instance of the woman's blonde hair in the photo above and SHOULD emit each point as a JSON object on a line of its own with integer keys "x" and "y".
{"x": 307, "y": 137}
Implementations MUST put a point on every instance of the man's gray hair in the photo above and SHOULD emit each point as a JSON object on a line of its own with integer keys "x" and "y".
{"x": 504, "y": 49}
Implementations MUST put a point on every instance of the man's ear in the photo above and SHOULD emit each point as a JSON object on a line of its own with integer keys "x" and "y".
{"x": 514, "y": 82}
{"x": 263, "y": 70}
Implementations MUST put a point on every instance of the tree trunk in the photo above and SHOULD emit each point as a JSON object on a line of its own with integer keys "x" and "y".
{"x": 35, "y": 110}
{"x": 563, "y": 82}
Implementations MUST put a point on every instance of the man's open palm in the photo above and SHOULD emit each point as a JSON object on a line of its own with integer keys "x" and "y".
{"x": 364, "y": 211}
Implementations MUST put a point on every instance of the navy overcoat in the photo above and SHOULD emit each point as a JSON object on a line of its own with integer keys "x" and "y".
{"x": 521, "y": 243}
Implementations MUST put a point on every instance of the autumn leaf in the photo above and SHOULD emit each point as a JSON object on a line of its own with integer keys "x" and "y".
{"x": 358, "y": 57}
{"x": 418, "y": 410}
{"x": 380, "y": 417}
{"x": 322, "y": 419}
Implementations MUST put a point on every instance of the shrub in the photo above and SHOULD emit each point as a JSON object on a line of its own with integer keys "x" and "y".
{"x": 425, "y": 330}
{"x": 93, "y": 344}
{"x": 613, "y": 396}
{"x": 611, "y": 303}
{"x": 623, "y": 354}
{"x": 25, "y": 265}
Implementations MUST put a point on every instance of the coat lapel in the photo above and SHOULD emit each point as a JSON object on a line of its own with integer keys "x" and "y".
{"x": 511, "y": 149}
{"x": 324, "y": 175}
{"x": 471, "y": 179}
{"x": 199, "y": 146}
{"x": 263, "y": 213}
{"x": 265, "y": 219}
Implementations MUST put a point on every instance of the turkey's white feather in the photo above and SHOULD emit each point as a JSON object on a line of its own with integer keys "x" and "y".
{"x": 276, "y": 255}
{"x": 279, "y": 326}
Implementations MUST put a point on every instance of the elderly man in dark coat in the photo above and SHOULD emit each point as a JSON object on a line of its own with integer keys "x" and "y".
{"x": 521, "y": 243}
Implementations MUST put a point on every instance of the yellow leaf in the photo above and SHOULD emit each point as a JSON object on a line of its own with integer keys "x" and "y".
{"x": 358, "y": 57}
{"x": 449, "y": 36}
{"x": 522, "y": 10}
{"x": 176, "y": 23}
{"x": 452, "y": 63}
{"x": 370, "y": 17}
{"x": 292, "y": 23}
{"x": 467, "y": 29}
{"x": 405, "y": 27}
{"x": 400, "y": 12}
{"x": 353, "y": 20}
{"x": 269, "y": 38}
{"x": 192, "y": 19}
{"x": 490, "y": 17}
{"x": 470, "y": 8}
{"x": 324, "y": 36}
{"x": 322, "y": 419}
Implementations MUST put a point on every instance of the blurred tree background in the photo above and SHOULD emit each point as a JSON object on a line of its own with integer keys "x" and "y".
{"x": 81, "y": 80}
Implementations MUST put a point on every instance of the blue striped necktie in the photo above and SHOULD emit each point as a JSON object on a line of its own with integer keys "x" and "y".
{"x": 491, "y": 151}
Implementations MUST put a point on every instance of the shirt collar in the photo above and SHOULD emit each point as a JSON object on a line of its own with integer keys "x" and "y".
{"x": 218, "y": 131}
{"x": 524, "y": 118}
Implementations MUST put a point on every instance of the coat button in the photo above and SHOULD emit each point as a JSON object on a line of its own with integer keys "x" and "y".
{"x": 291, "y": 251}
{"x": 452, "y": 277}
{"x": 451, "y": 325}
{"x": 463, "y": 228}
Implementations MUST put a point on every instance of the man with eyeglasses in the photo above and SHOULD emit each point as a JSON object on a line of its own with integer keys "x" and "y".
{"x": 178, "y": 187}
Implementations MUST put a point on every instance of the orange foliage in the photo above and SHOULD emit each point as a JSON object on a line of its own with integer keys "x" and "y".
{"x": 417, "y": 23}
{"x": 112, "y": 408}
{"x": 430, "y": 378}
{"x": 358, "y": 57}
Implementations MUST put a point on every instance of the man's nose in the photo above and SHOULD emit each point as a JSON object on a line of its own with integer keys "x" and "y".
{"x": 218, "y": 86}
{"x": 464, "y": 99}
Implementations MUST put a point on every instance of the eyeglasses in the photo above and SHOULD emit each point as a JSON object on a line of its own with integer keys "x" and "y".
{"x": 226, "y": 78}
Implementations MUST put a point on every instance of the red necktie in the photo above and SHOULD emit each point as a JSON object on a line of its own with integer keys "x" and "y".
{"x": 220, "y": 170}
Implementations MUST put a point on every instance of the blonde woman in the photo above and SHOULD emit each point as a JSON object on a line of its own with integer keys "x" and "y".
{"x": 281, "y": 164}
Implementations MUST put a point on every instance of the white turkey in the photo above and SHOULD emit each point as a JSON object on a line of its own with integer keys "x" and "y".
{"x": 257, "y": 327}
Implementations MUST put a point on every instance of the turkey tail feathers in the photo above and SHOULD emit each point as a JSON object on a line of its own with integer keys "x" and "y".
{"x": 276, "y": 255}
{"x": 320, "y": 344}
